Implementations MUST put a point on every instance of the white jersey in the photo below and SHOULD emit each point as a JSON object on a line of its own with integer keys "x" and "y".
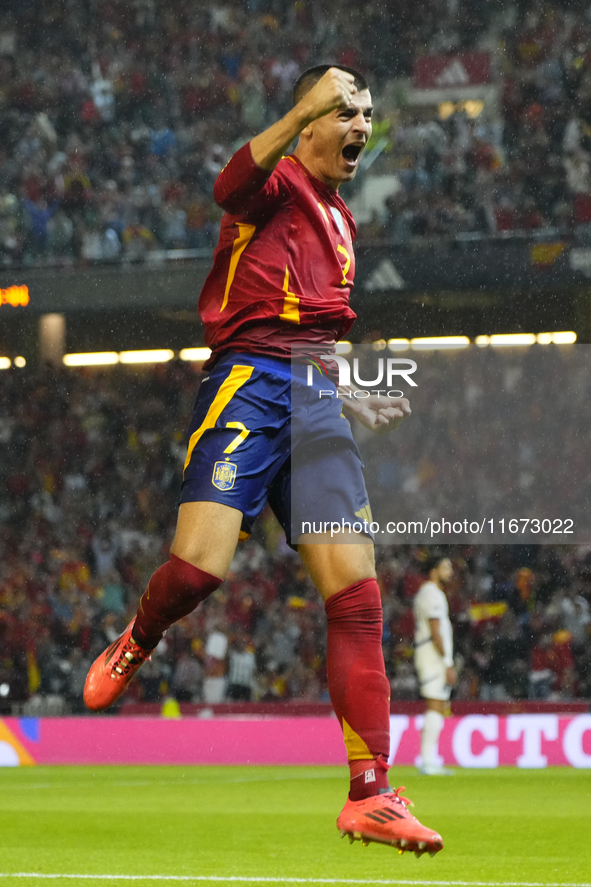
{"x": 431, "y": 603}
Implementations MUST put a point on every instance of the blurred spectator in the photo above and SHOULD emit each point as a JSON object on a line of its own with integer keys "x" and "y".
{"x": 187, "y": 678}
{"x": 214, "y": 683}
{"x": 241, "y": 670}
{"x": 122, "y": 103}
{"x": 544, "y": 668}
{"x": 503, "y": 673}
{"x": 405, "y": 684}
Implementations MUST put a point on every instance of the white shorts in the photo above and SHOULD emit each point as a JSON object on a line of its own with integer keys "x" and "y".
{"x": 432, "y": 674}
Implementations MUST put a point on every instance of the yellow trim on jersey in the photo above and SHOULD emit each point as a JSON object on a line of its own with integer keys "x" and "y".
{"x": 291, "y": 312}
{"x": 237, "y": 377}
{"x": 341, "y": 249}
{"x": 324, "y": 213}
{"x": 245, "y": 235}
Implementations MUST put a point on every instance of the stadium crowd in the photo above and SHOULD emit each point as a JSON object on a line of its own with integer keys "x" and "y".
{"x": 483, "y": 444}
{"x": 116, "y": 116}
{"x": 90, "y": 467}
{"x": 523, "y": 165}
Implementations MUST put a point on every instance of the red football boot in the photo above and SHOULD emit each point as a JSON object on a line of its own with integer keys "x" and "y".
{"x": 385, "y": 819}
{"x": 112, "y": 671}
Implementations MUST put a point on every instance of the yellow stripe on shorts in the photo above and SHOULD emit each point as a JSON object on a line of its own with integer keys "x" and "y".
{"x": 238, "y": 376}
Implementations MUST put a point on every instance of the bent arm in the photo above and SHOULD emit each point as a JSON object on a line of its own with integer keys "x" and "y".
{"x": 269, "y": 147}
{"x": 248, "y": 171}
{"x": 333, "y": 90}
{"x": 240, "y": 182}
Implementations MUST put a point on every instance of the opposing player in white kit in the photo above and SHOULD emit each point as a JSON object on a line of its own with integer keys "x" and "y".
{"x": 434, "y": 656}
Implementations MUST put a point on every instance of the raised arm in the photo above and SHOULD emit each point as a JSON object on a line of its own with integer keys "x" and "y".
{"x": 247, "y": 173}
{"x": 333, "y": 90}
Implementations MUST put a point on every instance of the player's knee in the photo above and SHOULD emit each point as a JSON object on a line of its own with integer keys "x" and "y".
{"x": 336, "y": 568}
{"x": 357, "y": 562}
{"x": 358, "y": 606}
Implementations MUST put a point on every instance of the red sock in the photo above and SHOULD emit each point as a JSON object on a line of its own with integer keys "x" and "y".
{"x": 174, "y": 591}
{"x": 357, "y": 683}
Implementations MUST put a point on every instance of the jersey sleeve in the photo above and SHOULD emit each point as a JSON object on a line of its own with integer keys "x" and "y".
{"x": 244, "y": 188}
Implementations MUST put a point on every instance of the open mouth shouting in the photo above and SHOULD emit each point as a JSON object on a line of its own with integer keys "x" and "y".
{"x": 351, "y": 154}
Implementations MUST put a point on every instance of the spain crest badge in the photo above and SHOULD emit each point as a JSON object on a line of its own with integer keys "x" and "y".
{"x": 224, "y": 475}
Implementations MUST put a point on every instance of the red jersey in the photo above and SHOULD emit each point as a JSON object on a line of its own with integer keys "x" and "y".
{"x": 283, "y": 268}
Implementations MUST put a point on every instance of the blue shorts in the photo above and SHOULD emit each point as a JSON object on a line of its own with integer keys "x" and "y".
{"x": 258, "y": 434}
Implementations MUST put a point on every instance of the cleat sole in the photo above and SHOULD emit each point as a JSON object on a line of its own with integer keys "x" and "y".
{"x": 403, "y": 846}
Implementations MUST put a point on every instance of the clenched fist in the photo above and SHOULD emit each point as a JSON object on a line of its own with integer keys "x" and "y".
{"x": 333, "y": 90}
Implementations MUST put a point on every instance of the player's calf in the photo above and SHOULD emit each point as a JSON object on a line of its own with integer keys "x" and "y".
{"x": 175, "y": 589}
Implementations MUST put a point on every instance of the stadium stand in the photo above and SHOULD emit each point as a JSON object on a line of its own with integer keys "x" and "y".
{"x": 525, "y": 166}
{"x": 91, "y": 460}
{"x": 115, "y": 118}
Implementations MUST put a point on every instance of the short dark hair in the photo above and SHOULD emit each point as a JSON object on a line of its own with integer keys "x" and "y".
{"x": 310, "y": 78}
{"x": 432, "y": 560}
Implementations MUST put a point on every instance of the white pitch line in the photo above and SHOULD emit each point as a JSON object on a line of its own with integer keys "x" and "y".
{"x": 211, "y": 879}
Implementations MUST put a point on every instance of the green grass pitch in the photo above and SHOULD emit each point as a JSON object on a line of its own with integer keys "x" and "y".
{"x": 267, "y": 825}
